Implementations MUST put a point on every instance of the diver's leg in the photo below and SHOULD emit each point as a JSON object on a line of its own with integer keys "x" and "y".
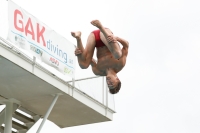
{"x": 113, "y": 45}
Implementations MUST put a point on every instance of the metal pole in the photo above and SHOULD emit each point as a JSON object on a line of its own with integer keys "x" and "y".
{"x": 33, "y": 65}
{"x": 69, "y": 90}
{"x": 106, "y": 99}
{"x": 103, "y": 91}
{"x": 84, "y": 79}
{"x": 8, "y": 117}
{"x": 73, "y": 83}
{"x": 48, "y": 112}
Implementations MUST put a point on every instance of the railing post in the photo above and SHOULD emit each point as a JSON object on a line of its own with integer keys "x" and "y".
{"x": 73, "y": 84}
{"x": 103, "y": 90}
{"x": 106, "y": 100}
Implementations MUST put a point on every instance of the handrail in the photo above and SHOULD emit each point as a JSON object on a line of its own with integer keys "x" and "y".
{"x": 84, "y": 79}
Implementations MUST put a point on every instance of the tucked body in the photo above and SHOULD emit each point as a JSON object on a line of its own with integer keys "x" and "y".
{"x": 110, "y": 57}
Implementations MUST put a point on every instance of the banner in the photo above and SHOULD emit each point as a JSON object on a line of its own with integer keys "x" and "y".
{"x": 30, "y": 34}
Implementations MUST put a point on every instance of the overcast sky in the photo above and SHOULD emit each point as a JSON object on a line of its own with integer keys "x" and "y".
{"x": 161, "y": 81}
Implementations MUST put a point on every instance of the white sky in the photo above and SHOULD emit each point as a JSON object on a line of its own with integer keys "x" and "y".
{"x": 161, "y": 81}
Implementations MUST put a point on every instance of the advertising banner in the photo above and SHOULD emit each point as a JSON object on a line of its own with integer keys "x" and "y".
{"x": 32, "y": 35}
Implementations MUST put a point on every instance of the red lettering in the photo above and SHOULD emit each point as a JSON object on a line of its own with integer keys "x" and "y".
{"x": 40, "y": 34}
{"x": 21, "y": 28}
{"x": 31, "y": 32}
{"x": 54, "y": 61}
{"x": 19, "y": 25}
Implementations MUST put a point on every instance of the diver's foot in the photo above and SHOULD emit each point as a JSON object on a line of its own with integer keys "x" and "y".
{"x": 97, "y": 23}
{"x": 76, "y": 34}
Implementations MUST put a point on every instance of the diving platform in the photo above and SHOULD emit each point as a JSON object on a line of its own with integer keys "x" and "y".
{"x": 33, "y": 89}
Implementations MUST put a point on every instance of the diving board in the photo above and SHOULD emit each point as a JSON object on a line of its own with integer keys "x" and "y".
{"x": 23, "y": 79}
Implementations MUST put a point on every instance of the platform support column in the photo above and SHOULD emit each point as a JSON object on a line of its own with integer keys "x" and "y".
{"x": 48, "y": 112}
{"x": 6, "y": 114}
{"x": 8, "y": 117}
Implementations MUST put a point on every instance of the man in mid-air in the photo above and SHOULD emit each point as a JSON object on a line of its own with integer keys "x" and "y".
{"x": 111, "y": 58}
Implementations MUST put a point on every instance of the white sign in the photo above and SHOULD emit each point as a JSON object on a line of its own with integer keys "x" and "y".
{"x": 30, "y": 34}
